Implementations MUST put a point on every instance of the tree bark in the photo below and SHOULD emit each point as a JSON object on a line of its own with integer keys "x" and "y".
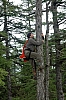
{"x": 7, "y": 53}
{"x": 40, "y": 75}
{"x": 60, "y": 95}
{"x": 47, "y": 58}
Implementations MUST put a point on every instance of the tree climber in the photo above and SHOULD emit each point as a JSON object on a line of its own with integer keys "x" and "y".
{"x": 30, "y": 51}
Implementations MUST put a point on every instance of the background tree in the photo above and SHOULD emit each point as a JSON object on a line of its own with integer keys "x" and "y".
{"x": 60, "y": 95}
{"x": 47, "y": 56}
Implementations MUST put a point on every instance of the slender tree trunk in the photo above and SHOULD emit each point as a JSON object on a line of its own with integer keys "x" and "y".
{"x": 40, "y": 75}
{"x": 47, "y": 58}
{"x": 60, "y": 95}
{"x": 29, "y": 18}
{"x": 7, "y": 53}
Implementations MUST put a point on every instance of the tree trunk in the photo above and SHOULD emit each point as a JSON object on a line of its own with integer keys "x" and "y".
{"x": 40, "y": 75}
{"x": 60, "y": 95}
{"x": 47, "y": 58}
{"x": 7, "y": 53}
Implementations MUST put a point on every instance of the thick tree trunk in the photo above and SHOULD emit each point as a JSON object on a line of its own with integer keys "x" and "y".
{"x": 60, "y": 95}
{"x": 40, "y": 75}
{"x": 7, "y": 53}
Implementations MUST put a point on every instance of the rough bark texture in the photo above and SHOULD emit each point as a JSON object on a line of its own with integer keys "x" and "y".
{"x": 60, "y": 95}
{"x": 47, "y": 58}
{"x": 40, "y": 75}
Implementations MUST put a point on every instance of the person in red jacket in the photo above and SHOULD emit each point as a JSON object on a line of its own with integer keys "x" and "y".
{"x": 30, "y": 51}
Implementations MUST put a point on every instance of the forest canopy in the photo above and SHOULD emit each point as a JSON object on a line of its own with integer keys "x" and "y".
{"x": 16, "y": 76}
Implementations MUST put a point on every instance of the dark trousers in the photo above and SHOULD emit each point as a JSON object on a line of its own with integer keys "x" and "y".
{"x": 33, "y": 55}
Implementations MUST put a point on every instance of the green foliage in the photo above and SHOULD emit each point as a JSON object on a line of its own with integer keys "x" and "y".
{"x": 25, "y": 84}
{"x": 1, "y": 50}
{"x": 52, "y": 85}
{"x": 3, "y": 73}
{"x": 63, "y": 54}
{"x": 3, "y": 34}
{"x": 63, "y": 60}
